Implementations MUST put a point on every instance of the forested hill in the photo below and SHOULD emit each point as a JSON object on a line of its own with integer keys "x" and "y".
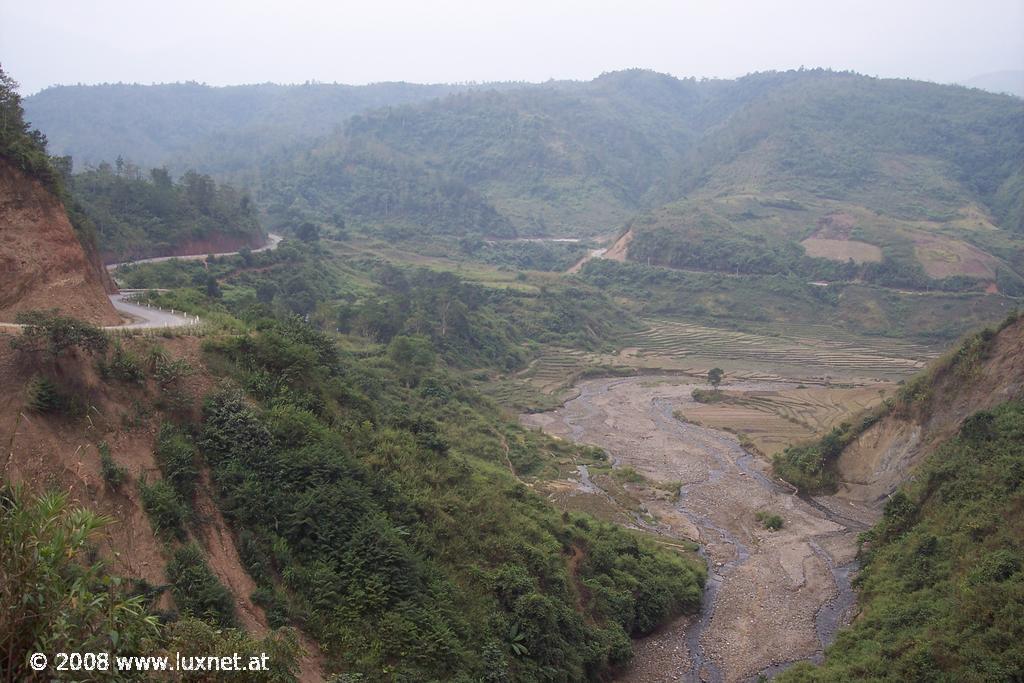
{"x": 818, "y": 174}
{"x": 812, "y": 173}
{"x": 561, "y": 158}
{"x": 141, "y": 216}
{"x": 577, "y": 158}
{"x": 190, "y": 125}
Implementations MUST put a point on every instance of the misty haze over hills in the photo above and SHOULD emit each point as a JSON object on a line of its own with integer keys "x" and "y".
{"x": 1010, "y": 82}
{"x": 700, "y": 172}
{"x": 629, "y": 379}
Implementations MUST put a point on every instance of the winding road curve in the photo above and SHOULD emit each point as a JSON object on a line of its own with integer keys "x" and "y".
{"x": 772, "y": 598}
{"x": 147, "y": 317}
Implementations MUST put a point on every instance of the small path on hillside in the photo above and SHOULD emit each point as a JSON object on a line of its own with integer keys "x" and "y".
{"x": 772, "y": 597}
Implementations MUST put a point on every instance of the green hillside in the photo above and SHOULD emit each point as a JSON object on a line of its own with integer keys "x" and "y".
{"x": 823, "y": 175}
{"x": 139, "y": 217}
{"x": 819, "y": 174}
{"x": 918, "y": 185}
{"x": 192, "y": 125}
{"x": 374, "y": 493}
{"x": 942, "y": 589}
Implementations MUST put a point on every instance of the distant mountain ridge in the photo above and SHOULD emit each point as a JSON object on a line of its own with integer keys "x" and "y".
{"x": 773, "y": 173}
{"x": 1010, "y": 82}
{"x": 191, "y": 125}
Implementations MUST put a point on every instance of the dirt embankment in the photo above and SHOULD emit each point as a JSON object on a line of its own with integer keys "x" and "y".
{"x": 42, "y": 262}
{"x": 61, "y": 452}
{"x": 619, "y": 250}
{"x": 885, "y": 454}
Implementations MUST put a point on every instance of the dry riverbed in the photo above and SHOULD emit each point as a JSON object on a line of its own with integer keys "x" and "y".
{"x": 773, "y": 597}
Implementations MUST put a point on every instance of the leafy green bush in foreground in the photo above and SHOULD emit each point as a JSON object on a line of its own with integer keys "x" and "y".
{"x": 374, "y": 511}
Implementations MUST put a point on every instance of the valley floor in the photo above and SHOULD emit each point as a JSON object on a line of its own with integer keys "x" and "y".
{"x": 773, "y": 596}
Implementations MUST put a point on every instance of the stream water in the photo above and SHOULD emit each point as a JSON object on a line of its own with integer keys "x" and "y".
{"x": 711, "y": 465}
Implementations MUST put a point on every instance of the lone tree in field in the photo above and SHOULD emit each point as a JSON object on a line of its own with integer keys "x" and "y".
{"x": 715, "y": 376}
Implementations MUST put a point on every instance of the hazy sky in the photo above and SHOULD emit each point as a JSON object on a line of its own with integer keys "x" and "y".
{"x": 45, "y": 42}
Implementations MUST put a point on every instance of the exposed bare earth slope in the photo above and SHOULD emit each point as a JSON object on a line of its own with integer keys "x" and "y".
{"x": 884, "y": 455}
{"x": 42, "y": 262}
{"x": 61, "y": 453}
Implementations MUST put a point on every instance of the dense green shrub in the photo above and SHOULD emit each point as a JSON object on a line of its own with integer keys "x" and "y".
{"x": 19, "y": 143}
{"x": 345, "y": 512}
{"x": 49, "y": 334}
{"x": 43, "y": 396}
{"x": 167, "y": 513}
{"x": 708, "y": 396}
{"x": 169, "y": 374}
{"x": 196, "y": 590}
{"x": 770, "y": 521}
{"x": 54, "y": 596}
{"x": 176, "y": 457}
{"x": 113, "y": 474}
{"x": 123, "y": 366}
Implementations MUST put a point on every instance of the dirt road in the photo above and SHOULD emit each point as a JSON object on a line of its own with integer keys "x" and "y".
{"x": 272, "y": 242}
{"x": 142, "y": 317}
{"x": 773, "y": 597}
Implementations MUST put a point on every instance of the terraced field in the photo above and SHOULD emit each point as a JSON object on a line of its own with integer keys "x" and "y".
{"x": 815, "y": 350}
{"x": 556, "y": 368}
{"x": 521, "y": 396}
{"x": 816, "y": 355}
{"x": 781, "y": 415}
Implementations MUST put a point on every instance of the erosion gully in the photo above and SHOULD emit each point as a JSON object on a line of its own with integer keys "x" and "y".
{"x": 771, "y": 598}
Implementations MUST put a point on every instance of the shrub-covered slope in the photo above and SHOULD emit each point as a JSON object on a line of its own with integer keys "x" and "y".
{"x": 942, "y": 585}
{"x": 941, "y": 589}
{"x": 866, "y": 460}
{"x": 369, "y": 497}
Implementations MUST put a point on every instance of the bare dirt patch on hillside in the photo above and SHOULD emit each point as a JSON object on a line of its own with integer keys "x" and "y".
{"x": 842, "y": 250}
{"x": 879, "y": 460}
{"x": 832, "y": 241}
{"x": 946, "y": 257}
{"x": 60, "y": 453}
{"x": 620, "y": 250}
{"x": 42, "y": 263}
